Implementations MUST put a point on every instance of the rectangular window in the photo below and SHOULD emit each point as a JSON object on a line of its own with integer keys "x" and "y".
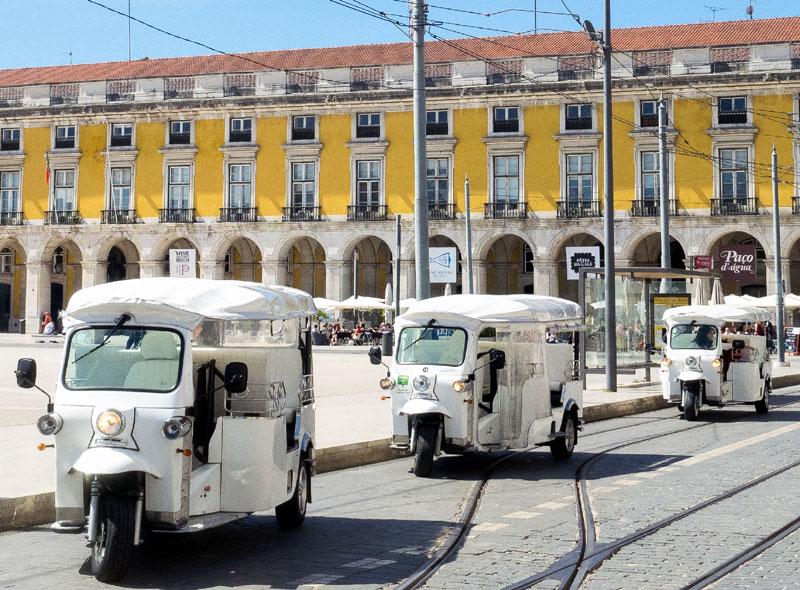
{"x": 241, "y": 130}
{"x": 120, "y": 196}
{"x": 733, "y": 171}
{"x": 438, "y": 181}
{"x": 239, "y": 186}
{"x": 648, "y": 113}
{"x": 436, "y": 123}
{"x": 64, "y": 190}
{"x": 580, "y": 179}
{"x": 505, "y": 120}
{"x": 121, "y": 135}
{"x": 178, "y": 187}
{"x": 368, "y": 184}
{"x": 65, "y": 137}
{"x": 577, "y": 117}
{"x": 506, "y": 179}
{"x": 368, "y": 125}
{"x": 10, "y": 140}
{"x": 650, "y": 176}
{"x": 303, "y": 127}
{"x": 6, "y": 261}
{"x": 180, "y": 132}
{"x": 303, "y": 184}
{"x": 732, "y": 110}
{"x": 9, "y": 191}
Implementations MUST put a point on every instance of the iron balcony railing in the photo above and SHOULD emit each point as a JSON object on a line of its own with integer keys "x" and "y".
{"x": 366, "y": 212}
{"x": 368, "y": 131}
{"x": 9, "y": 146}
{"x": 743, "y": 206}
{"x": 506, "y": 210}
{"x": 180, "y": 138}
{"x": 732, "y": 118}
{"x": 651, "y": 208}
{"x": 440, "y": 211}
{"x": 507, "y": 126}
{"x": 796, "y": 205}
{"x": 302, "y": 133}
{"x": 575, "y": 209}
{"x": 61, "y": 217}
{"x": 118, "y": 216}
{"x": 240, "y": 137}
{"x": 300, "y": 213}
{"x": 10, "y": 217}
{"x": 65, "y": 143}
{"x": 238, "y": 214}
{"x": 578, "y": 123}
{"x": 176, "y": 215}
{"x": 436, "y": 128}
{"x": 121, "y": 141}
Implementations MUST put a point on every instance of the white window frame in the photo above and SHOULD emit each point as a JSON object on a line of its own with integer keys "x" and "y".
{"x": 718, "y": 168}
{"x": 520, "y": 175}
{"x": 563, "y": 117}
{"x": 54, "y": 134}
{"x": 110, "y": 186}
{"x": 18, "y": 129}
{"x": 382, "y": 120}
{"x": 290, "y": 189}
{"x": 748, "y": 105}
{"x": 290, "y": 128}
{"x": 18, "y": 171}
{"x": 227, "y": 196}
{"x": 110, "y": 134}
{"x": 53, "y": 180}
{"x": 448, "y": 115}
{"x": 168, "y": 127}
{"x": 381, "y": 180}
{"x": 175, "y": 164}
{"x": 6, "y": 260}
{"x": 595, "y": 152}
{"x": 649, "y": 146}
{"x": 520, "y": 118}
{"x": 229, "y": 128}
{"x": 449, "y": 167}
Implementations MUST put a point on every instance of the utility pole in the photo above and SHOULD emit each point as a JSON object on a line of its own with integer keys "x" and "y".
{"x": 468, "y": 228}
{"x": 663, "y": 177}
{"x": 129, "y": 30}
{"x": 608, "y": 212}
{"x": 397, "y": 267}
{"x": 776, "y": 236}
{"x": 418, "y": 22}
{"x": 355, "y": 274}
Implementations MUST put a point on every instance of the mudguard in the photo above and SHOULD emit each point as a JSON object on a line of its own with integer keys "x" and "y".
{"x": 109, "y": 461}
{"x": 692, "y": 376}
{"x": 414, "y": 407}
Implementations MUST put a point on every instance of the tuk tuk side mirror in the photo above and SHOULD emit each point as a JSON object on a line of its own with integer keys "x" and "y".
{"x": 734, "y": 344}
{"x": 375, "y": 355}
{"x": 26, "y": 373}
{"x": 652, "y": 350}
{"x": 497, "y": 359}
{"x": 235, "y": 377}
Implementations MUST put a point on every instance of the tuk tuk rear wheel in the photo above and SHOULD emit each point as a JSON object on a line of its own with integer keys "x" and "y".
{"x": 762, "y": 405}
{"x": 691, "y": 396}
{"x": 111, "y": 552}
{"x": 426, "y": 446}
{"x": 292, "y": 513}
{"x": 562, "y": 447}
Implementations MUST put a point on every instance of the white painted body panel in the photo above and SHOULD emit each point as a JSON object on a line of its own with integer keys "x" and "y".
{"x": 204, "y": 495}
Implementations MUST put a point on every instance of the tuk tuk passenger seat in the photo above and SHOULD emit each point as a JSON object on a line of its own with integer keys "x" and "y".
{"x": 157, "y": 369}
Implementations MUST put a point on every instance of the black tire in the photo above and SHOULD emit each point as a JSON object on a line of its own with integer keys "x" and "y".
{"x": 111, "y": 552}
{"x": 691, "y": 406}
{"x": 563, "y": 447}
{"x": 292, "y": 513}
{"x": 762, "y": 405}
{"x": 426, "y": 446}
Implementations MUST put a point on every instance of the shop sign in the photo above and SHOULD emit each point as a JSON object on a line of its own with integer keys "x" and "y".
{"x": 579, "y": 257}
{"x": 703, "y": 262}
{"x": 182, "y": 264}
{"x": 443, "y": 265}
{"x": 737, "y": 263}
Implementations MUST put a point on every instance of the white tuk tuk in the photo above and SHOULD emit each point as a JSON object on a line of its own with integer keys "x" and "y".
{"x": 181, "y": 404}
{"x": 484, "y": 373}
{"x": 710, "y": 357}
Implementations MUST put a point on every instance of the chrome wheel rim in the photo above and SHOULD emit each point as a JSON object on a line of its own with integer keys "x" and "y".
{"x": 302, "y": 490}
{"x": 100, "y": 543}
{"x": 570, "y": 435}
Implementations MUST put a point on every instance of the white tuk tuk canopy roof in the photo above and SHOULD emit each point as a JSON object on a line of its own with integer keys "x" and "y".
{"x": 718, "y": 313}
{"x": 186, "y": 302}
{"x": 497, "y": 309}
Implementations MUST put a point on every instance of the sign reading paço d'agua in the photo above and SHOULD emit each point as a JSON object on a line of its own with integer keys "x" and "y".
{"x": 737, "y": 263}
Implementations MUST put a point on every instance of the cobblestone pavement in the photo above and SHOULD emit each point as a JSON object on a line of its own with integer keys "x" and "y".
{"x": 373, "y": 526}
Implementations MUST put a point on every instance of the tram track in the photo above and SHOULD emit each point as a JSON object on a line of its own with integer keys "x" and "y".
{"x": 574, "y": 566}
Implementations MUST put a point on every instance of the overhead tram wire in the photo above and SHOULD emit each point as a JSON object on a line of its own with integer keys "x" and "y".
{"x": 486, "y": 14}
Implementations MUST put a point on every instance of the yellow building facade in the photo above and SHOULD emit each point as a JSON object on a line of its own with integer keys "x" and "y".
{"x": 301, "y": 184}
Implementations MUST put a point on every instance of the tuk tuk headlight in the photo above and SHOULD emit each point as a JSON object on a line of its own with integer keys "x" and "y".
{"x": 716, "y": 363}
{"x": 666, "y": 362}
{"x": 421, "y": 383}
{"x": 386, "y": 383}
{"x": 459, "y": 386}
{"x": 110, "y": 423}
{"x": 177, "y": 427}
{"x": 691, "y": 362}
{"x": 49, "y": 423}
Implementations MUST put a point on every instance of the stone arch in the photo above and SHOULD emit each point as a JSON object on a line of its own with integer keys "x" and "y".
{"x": 12, "y": 284}
{"x": 161, "y": 252}
{"x": 508, "y": 265}
{"x": 645, "y": 250}
{"x": 62, "y": 265}
{"x": 757, "y": 287}
{"x": 303, "y": 260}
{"x": 241, "y": 259}
{"x": 120, "y": 258}
{"x": 568, "y": 289}
{"x": 487, "y": 240}
{"x": 374, "y": 266}
{"x": 443, "y": 241}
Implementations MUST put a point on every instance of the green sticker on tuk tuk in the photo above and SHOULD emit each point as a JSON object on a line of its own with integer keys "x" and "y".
{"x": 402, "y": 379}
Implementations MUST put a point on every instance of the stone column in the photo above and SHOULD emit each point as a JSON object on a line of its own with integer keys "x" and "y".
{"x": 334, "y": 280}
{"x": 151, "y": 268}
{"x": 408, "y": 279}
{"x": 212, "y": 269}
{"x": 786, "y": 267}
{"x": 480, "y": 276}
{"x": 545, "y": 277}
{"x": 273, "y": 272}
{"x": 37, "y": 294}
{"x": 92, "y": 273}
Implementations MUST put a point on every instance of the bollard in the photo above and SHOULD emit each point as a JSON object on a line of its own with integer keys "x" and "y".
{"x": 387, "y": 341}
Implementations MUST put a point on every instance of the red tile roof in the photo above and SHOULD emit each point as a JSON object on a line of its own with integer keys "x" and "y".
{"x": 741, "y": 32}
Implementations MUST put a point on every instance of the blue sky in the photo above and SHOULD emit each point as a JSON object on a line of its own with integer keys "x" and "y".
{"x": 44, "y": 32}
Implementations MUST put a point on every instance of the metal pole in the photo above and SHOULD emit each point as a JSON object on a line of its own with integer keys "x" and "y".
{"x": 536, "y": 18}
{"x": 355, "y": 274}
{"x": 418, "y": 21}
{"x": 129, "y": 30}
{"x": 468, "y": 222}
{"x": 663, "y": 178}
{"x": 776, "y": 235}
{"x": 608, "y": 212}
{"x": 397, "y": 268}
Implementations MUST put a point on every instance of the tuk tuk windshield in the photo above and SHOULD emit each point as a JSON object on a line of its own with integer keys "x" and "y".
{"x": 139, "y": 359}
{"x": 439, "y": 345}
{"x": 693, "y": 337}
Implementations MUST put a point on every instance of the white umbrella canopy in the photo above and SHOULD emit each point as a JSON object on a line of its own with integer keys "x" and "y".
{"x": 716, "y": 294}
{"x": 388, "y": 295}
{"x": 325, "y": 304}
{"x": 406, "y": 303}
{"x": 362, "y": 303}
{"x": 700, "y": 297}
{"x": 448, "y": 290}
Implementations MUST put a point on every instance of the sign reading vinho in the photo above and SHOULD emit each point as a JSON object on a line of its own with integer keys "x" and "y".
{"x": 737, "y": 263}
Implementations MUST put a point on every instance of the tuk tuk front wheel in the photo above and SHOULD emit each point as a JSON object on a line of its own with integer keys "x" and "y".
{"x": 292, "y": 513}
{"x": 691, "y": 401}
{"x": 562, "y": 447}
{"x": 426, "y": 446}
{"x": 112, "y": 549}
{"x": 762, "y": 405}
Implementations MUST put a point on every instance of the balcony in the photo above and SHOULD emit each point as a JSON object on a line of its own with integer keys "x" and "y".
{"x": 743, "y": 206}
{"x": 578, "y": 123}
{"x": 506, "y": 210}
{"x": 732, "y": 118}
{"x": 303, "y": 133}
{"x": 118, "y": 216}
{"x": 652, "y": 208}
{"x": 238, "y": 214}
{"x": 11, "y": 218}
{"x": 9, "y": 146}
{"x": 121, "y": 140}
{"x": 239, "y": 91}
{"x": 366, "y": 213}
{"x": 508, "y": 126}
{"x": 441, "y": 211}
{"x": 65, "y": 143}
{"x": 180, "y": 138}
{"x": 436, "y": 128}
{"x": 240, "y": 137}
{"x": 301, "y": 213}
{"x": 368, "y": 131}
{"x": 62, "y": 217}
{"x": 362, "y": 85}
{"x": 176, "y": 215}
{"x": 577, "y": 209}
